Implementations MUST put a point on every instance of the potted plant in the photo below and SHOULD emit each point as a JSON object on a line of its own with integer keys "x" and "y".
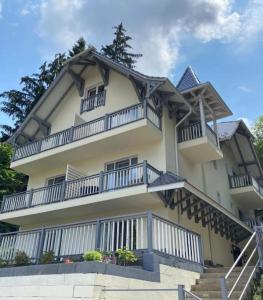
{"x": 92, "y": 256}
{"x": 126, "y": 256}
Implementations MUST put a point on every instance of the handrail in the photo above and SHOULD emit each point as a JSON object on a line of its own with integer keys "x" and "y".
{"x": 142, "y": 173}
{"x": 224, "y": 290}
{"x": 107, "y": 122}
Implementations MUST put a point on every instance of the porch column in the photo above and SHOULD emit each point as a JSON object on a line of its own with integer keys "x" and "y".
{"x": 215, "y": 129}
{"x": 202, "y": 116}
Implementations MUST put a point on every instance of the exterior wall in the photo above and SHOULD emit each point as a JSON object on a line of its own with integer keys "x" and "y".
{"x": 90, "y": 286}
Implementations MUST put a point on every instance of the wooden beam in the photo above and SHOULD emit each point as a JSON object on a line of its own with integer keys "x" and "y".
{"x": 240, "y": 153}
{"x": 78, "y": 80}
{"x": 44, "y": 126}
{"x": 139, "y": 89}
{"x": 104, "y": 71}
{"x": 248, "y": 163}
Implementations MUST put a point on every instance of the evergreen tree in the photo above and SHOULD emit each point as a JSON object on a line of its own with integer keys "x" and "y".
{"x": 258, "y": 133}
{"x": 119, "y": 49}
{"x": 18, "y": 103}
{"x": 10, "y": 181}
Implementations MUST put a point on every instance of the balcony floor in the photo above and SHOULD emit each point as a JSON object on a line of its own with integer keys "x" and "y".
{"x": 132, "y": 198}
{"x": 117, "y": 139}
{"x": 247, "y": 197}
{"x": 200, "y": 150}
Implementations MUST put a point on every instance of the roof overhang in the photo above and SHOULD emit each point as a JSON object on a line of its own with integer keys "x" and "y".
{"x": 226, "y": 217}
{"x": 212, "y": 99}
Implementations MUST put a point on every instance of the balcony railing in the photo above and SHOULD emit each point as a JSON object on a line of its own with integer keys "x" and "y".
{"x": 194, "y": 131}
{"x": 238, "y": 181}
{"x": 145, "y": 231}
{"x": 99, "y": 183}
{"x": 92, "y": 102}
{"x": 110, "y": 121}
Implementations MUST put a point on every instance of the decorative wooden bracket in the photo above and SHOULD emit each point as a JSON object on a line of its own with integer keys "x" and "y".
{"x": 44, "y": 126}
{"x": 140, "y": 89}
{"x": 78, "y": 80}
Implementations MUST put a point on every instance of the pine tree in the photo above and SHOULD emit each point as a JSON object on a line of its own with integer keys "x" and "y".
{"x": 18, "y": 103}
{"x": 118, "y": 50}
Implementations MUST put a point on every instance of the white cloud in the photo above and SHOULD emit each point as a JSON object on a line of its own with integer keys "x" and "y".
{"x": 244, "y": 89}
{"x": 28, "y": 8}
{"x": 157, "y": 27}
{"x": 1, "y": 9}
{"x": 248, "y": 122}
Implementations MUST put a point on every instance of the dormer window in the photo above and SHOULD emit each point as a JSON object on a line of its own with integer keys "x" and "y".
{"x": 93, "y": 98}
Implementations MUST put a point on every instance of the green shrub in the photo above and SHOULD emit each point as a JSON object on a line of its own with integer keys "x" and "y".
{"x": 21, "y": 259}
{"x": 3, "y": 263}
{"x": 48, "y": 257}
{"x": 259, "y": 292}
{"x": 126, "y": 256}
{"x": 92, "y": 256}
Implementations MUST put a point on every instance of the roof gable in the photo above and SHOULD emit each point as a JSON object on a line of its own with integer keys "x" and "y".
{"x": 188, "y": 80}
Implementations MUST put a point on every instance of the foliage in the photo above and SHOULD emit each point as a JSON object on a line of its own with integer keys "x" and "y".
{"x": 119, "y": 49}
{"x": 92, "y": 256}
{"x": 10, "y": 181}
{"x": 48, "y": 257}
{"x": 18, "y": 103}
{"x": 22, "y": 259}
{"x": 258, "y": 133}
{"x": 3, "y": 263}
{"x": 126, "y": 256}
{"x": 259, "y": 292}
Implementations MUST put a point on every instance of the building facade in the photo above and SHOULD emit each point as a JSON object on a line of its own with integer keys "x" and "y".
{"x": 119, "y": 159}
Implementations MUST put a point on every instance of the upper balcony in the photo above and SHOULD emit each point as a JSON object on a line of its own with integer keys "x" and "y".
{"x": 247, "y": 191}
{"x": 137, "y": 124}
{"x": 197, "y": 144}
{"x": 72, "y": 197}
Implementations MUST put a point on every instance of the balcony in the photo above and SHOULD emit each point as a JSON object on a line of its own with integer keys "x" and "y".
{"x": 198, "y": 146}
{"x": 110, "y": 185}
{"x": 247, "y": 191}
{"x": 137, "y": 124}
{"x": 92, "y": 102}
{"x": 145, "y": 231}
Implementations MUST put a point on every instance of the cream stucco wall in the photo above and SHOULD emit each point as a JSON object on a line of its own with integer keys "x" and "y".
{"x": 91, "y": 286}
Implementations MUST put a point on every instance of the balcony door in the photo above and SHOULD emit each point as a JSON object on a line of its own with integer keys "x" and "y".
{"x": 121, "y": 173}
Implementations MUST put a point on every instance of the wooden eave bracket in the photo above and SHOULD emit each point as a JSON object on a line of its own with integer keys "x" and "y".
{"x": 78, "y": 80}
{"x": 44, "y": 126}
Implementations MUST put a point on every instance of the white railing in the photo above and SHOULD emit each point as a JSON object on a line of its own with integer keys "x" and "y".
{"x": 190, "y": 132}
{"x": 194, "y": 131}
{"x": 133, "y": 232}
{"x": 92, "y": 102}
{"x": 85, "y": 186}
{"x": 110, "y": 121}
{"x": 254, "y": 243}
{"x": 174, "y": 240}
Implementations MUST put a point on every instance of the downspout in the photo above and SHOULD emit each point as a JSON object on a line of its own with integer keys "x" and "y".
{"x": 176, "y": 135}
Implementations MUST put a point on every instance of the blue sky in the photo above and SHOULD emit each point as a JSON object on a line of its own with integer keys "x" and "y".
{"x": 220, "y": 39}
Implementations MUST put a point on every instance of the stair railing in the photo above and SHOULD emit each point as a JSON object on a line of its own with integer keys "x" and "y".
{"x": 257, "y": 239}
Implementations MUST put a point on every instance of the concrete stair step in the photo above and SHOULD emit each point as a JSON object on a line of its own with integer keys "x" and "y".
{"x": 214, "y": 287}
{"x": 215, "y": 294}
{"x": 217, "y": 281}
{"x": 226, "y": 269}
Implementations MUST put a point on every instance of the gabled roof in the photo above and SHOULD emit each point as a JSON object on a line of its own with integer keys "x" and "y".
{"x": 188, "y": 80}
{"x": 226, "y": 130}
{"x": 192, "y": 88}
{"x": 48, "y": 103}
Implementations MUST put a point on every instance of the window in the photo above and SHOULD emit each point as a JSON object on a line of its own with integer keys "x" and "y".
{"x": 93, "y": 97}
{"x": 55, "y": 180}
{"x": 120, "y": 173}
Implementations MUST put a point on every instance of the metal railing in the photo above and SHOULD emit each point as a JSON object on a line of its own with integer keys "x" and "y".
{"x": 180, "y": 291}
{"x": 256, "y": 253}
{"x": 133, "y": 232}
{"x": 92, "y": 102}
{"x": 194, "y": 131}
{"x": 142, "y": 173}
{"x": 238, "y": 181}
{"x": 109, "y": 121}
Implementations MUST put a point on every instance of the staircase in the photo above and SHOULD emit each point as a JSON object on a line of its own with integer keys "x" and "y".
{"x": 208, "y": 286}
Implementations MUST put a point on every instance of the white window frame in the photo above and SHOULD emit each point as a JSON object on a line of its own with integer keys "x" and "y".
{"x": 54, "y": 177}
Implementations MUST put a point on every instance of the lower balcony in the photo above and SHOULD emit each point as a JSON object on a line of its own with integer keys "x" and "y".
{"x": 71, "y": 198}
{"x": 198, "y": 146}
{"x": 247, "y": 191}
{"x": 140, "y": 232}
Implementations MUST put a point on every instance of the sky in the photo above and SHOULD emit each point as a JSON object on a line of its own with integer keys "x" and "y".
{"x": 220, "y": 39}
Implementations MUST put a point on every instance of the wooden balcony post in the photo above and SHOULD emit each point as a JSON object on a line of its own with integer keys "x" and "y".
{"x": 145, "y": 175}
{"x": 101, "y": 179}
{"x": 97, "y": 235}
{"x": 181, "y": 293}
{"x": 106, "y": 121}
{"x": 40, "y": 245}
{"x": 30, "y": 195}
{"x": 71, "y": 134}
{"x": 145, "y": 109}
{"x": 202, "y": 116}
{"x": 149, "y": 231}
{"x": 63, "y": 190}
